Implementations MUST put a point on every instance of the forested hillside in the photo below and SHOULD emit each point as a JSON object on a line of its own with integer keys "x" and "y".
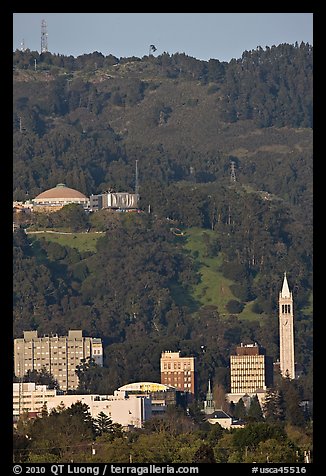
{"x": 142, "y": 288}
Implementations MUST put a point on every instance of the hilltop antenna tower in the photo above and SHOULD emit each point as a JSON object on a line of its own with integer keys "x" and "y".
{"x": 233, "y": 176}
{"x": 22, "y": 46}
{"x": 44, "y": 37}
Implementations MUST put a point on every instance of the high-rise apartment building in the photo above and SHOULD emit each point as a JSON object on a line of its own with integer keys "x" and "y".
{"x": 60, "y": 356}
{"x": 179, "y": 372}
{"x": 248, "y": 370}
{"x": 286, "y": 326}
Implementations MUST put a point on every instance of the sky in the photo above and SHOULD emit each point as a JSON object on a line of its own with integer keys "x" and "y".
{"x": 221, "y": 36}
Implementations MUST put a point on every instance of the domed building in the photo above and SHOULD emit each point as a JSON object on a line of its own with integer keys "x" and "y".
{"x": 57, "y": 197}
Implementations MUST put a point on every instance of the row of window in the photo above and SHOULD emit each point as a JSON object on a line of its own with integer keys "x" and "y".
{"x": 246, "y": 374}
{"x": 186, "y": 372}
{"x": 176, "y": 365}
{"x": 52, "y": 364}
{"x": 24, "y": 397}
{"x": 187, "y": 379}
{"x": 55, "y": 353}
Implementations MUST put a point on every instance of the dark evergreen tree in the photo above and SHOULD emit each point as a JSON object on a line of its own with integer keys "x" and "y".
{"x": 255, "y": 412}
{"x": 42, "y": 377}
{"x": 273, "y": 407}
{"x": 104, "y": 425}
{"x": 204, "y": 454}
{"x": 240, "y": 411}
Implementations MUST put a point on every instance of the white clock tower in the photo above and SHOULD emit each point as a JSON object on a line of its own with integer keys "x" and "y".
{"x": 286, "y": 331}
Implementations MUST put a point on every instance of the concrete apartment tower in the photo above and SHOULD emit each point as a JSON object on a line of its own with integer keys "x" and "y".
{"x": 60, "y": 356}
{"x": 287, "y": 367}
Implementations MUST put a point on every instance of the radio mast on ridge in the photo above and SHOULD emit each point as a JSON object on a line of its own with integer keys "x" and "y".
{"x": 232, "y": 175}
{"x": 22, "y": 46}
{"x": 44, "y": 37}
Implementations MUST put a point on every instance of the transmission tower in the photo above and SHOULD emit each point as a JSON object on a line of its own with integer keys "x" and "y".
{"x": 44, "y": 37}
{"x": 22, "y": 46}
{"x": 232, "y": 176}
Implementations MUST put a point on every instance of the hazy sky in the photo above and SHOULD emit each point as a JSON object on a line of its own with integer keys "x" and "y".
{"x": 202, "y": 35}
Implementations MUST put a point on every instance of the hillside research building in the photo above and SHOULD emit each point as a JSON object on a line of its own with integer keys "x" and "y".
{"x": 55, "y": 198}
{"x": 60, "y": 356}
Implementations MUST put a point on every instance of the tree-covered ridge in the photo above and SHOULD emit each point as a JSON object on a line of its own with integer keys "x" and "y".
{"x": 86, "y": 121}
{"x": 268, "y": 86}
{"x": 87, "y": 126}
{"x": 271, "y": 86}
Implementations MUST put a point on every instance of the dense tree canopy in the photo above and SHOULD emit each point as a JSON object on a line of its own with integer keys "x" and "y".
{"x": 85, "y": 121}
{"x": 70, "y": 434}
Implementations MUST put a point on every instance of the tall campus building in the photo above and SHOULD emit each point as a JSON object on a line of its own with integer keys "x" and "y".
{"x": 58, "y": 355}
{"x": 248, "y": 370}
{"x": 287, "y": 366}
{"x": 179, "y": 372}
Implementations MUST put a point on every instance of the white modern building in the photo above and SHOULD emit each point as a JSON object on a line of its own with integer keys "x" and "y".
{"x": 29, "y": 397}
{"x": 114, "y": 201}
{"x": 127, "y": 410}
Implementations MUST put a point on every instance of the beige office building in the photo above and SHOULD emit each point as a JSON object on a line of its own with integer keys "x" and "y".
{"x": 248, "y": 372}
{"x": 58, "y": 355}
{"x": 179, "y": 372}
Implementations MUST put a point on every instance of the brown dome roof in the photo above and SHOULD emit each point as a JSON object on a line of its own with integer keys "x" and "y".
{"x": 61, "y": 191}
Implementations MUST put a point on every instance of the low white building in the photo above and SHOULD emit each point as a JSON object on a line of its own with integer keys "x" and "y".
{"x": 246, "y": 397}
{"x": 225, "y": 420}
{"x": 161, "y": 395}
{"x": 29, "y": 397}
{"x": 127, "y": 410}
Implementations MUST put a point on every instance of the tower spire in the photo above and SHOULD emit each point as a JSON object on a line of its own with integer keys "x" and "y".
{"x": 285, "y": 293}
{"x": 209, "y": 404}
{"x": 286, "y": 329}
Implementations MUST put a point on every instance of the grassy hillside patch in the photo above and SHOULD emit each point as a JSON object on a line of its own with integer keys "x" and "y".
{"x": 248, "y": 314}
{"x": 80, "y": 241}
{"x": 214, "y": 288}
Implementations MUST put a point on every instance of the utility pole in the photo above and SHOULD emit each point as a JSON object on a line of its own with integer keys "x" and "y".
{"x": 136, "y": 181}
